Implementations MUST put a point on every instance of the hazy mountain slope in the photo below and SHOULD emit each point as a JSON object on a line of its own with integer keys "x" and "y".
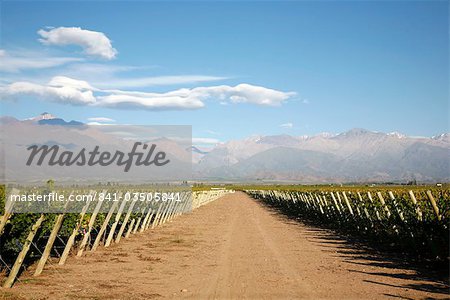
{"x": 356, "y": 155}
{"x": 17, "y": 136}
{"x": 286, "y": 163}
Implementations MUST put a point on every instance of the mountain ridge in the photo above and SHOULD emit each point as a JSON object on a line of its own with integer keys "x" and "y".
{"x": 357, "y": 155}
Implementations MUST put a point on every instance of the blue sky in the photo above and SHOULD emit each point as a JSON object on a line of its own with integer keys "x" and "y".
{"x": 307, "y": 67}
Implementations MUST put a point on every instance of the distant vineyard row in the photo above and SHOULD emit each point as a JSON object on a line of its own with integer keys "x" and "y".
{"x": 414, "y": 221}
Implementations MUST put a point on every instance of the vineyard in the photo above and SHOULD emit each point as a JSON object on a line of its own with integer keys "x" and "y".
{"x": 39, "y": 239}
{"x": 308, "y": 239}
{"x": 410, "y": 221}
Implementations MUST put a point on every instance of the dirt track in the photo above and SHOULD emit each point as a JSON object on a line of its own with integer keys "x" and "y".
{"x": 231, "y": 248}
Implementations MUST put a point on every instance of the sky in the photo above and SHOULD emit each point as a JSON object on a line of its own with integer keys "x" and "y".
{"x": 230, "y": 69}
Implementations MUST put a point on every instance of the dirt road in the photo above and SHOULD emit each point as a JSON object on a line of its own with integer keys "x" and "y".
{"x": 232, "y": 248}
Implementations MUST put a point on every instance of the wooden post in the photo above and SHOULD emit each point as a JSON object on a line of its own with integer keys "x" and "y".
{"x": 183, "y": 204}
{"x": 311, "y": 201}
{"x": 340, "y": 201}
{"x": 137, "y": 224}
{"x": 305, "y": 199}
{"x": 386, "y": 209}
{"x": 175, "y": 210}
{"x": 329, "y": 207}
{"x": 90, "y": 225}
{"x": 71, "y": 239}
{"x": 125, "y": 221}
{"x": 186, "y": 199}
{"x": 114, "y": 225}
{"x": 8, "y": 211}
{"x": 348, "y": 203}
{"x": 104, "y": 226}
{"x": 23, "y": 253}
{"x": 172, "y": 211}
{"x": 366, "y": 212}
{"x": 195, "y": 196}
{"x": 433, "y": 203}
{"x": 149, "y": 221}
{"x": 400, "y": 213}
{"x": 139, "y": 221}
{"x": 49, "y": 245}
{"x": 418, "y": 211}
{"x": 357, "y": 204}
{"x": 3, "y": 220}
{"x": 51, "y": 241}
{"x": 168, "y": 211}
{"x": 335, "y": 203}
{"x": 156, "y": 216}
{"x": 189, "y": 206}
{"x": 146, "y": 219}
{"x": 130, "y": 227}
{"x": 320, "y": 207}
{"x": 375, "y": 208}
{"x": 163, "y": 211}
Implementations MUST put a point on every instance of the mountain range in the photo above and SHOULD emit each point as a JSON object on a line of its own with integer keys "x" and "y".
{"x": 76, "y": 141}
{"x": 358, "y": 155}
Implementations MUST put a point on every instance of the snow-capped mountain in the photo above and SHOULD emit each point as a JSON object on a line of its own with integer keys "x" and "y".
{"x": 43, "y": 116}
{"x": 356, "y": 155}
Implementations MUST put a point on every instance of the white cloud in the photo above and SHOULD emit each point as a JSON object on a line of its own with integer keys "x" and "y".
{"x": 287, "y": 125}
{"x": 194, "y": 98}
{"x": 202, "y": 141}
{"x": 244, "y": 93}
{"x": 63, "y": 81}
{"x": 25, "y": 61}
{"x": 94, "y": 43}
{"x": 59, "y": 89}
{"x": 305, "y": 101}
{"x": 101, "y": 119}
{"x": 72, "y": 91}
{"x": 150, "y": 101}
{"x": 97, "y": 123}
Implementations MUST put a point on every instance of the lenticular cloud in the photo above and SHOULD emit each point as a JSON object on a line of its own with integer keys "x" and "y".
{"x": 78, "y": 92}
{"x": 94, "y": 43}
